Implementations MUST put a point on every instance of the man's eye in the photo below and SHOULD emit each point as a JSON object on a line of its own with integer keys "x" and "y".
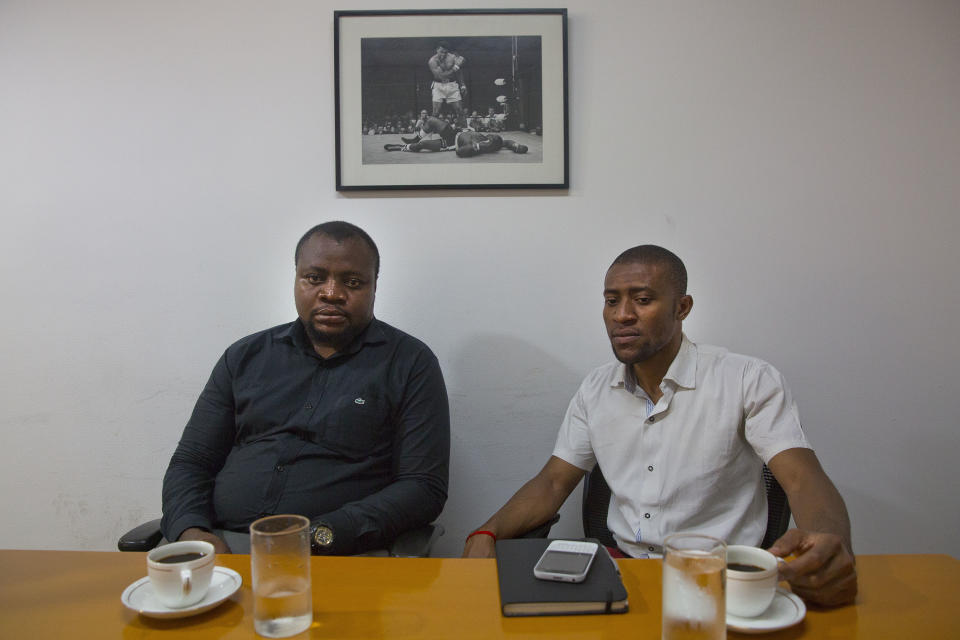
{"x": 610, "y": 302}
{"x": 353, "y": 283}
{"x": 312, "y": 278}
{"x": 643, "y": 300}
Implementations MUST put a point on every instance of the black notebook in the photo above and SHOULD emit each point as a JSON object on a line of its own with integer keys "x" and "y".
{"x": 522, "y": 594}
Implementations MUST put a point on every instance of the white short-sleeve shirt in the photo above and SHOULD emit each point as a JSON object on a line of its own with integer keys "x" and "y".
{"x": 693, "y": 460}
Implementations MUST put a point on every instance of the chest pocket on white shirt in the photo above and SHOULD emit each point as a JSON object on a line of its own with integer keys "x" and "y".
{"x": 619, "y": 441}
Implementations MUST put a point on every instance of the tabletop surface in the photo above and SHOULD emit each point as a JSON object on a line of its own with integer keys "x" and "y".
{"x": 76, "y": 594}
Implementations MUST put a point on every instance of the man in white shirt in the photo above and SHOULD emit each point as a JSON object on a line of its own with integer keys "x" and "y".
{"x": 681, "y": 432}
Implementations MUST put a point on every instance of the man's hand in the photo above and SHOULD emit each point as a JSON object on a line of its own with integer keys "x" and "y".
{"x": 195, "y": 533}
{"x": 824, "y": 571}
{"x": 480, "y": 546}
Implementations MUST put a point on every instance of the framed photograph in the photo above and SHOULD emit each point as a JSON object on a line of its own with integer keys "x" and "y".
{"x": 451, "y": 99}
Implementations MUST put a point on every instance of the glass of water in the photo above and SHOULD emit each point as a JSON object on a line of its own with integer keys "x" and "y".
{"x": 694, "y": 587}
{"x": 280, "y": 564}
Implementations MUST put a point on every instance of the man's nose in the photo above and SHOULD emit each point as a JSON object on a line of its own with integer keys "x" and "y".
{"x": 624, "y": 314}
{"x": 331, "y": 290}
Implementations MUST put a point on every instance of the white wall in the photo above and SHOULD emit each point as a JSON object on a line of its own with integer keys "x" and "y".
{"x": 159, "y": 160}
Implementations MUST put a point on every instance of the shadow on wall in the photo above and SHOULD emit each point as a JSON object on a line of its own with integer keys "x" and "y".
{"x": 875, "y": 520}
{"x": 507, "y": 398}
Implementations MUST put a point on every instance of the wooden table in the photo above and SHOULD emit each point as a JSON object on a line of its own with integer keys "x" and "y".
{"x": 76, "y": 594}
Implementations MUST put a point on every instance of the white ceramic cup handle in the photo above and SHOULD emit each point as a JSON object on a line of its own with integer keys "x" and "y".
{"x": 186, "y": 582}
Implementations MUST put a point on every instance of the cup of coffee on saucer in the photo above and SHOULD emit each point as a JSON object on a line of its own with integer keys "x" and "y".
{"x": 180, "y": 572}
{"x": 752, "y": 577}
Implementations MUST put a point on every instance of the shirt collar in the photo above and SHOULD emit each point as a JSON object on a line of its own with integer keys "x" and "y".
{"x": 682, "y": 371}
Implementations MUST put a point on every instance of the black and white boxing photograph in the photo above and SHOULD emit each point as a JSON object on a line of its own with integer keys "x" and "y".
{"x": 443, "y": 100}
{"x": 466, "y": 106}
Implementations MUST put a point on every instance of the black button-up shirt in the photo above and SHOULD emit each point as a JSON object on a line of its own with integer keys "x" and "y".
{"x": 359, "y": 441}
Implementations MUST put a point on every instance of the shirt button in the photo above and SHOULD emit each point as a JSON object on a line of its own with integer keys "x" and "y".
{"x": 647, "y": 516}
{"x": 279, "y": 468}
{"x": 650, "y": 468}
{"x": 650, "y": 548}
{"x": 650, "y": 419}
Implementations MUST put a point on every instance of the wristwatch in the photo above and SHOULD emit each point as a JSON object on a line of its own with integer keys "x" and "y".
{"x": 321, "y": 538}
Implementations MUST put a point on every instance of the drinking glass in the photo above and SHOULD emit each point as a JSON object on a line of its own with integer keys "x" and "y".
{"x": 280, "y": 564}
{"x": 694, "y": 602}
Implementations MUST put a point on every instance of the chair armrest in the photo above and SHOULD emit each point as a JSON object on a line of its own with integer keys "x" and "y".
{"x": 141, "y": 538}
{"x": 416, "y": 543}
{"x": 543, "y": 530}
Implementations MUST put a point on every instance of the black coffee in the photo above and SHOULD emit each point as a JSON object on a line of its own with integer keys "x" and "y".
{"x": 737, "y": 566}
{"x": 180, "y": 557}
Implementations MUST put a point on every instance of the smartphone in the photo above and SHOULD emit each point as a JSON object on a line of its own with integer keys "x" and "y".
{"x": 566, "y": 561}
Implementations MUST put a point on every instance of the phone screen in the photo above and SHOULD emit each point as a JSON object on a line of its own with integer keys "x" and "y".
{"x": 565, "y": 562}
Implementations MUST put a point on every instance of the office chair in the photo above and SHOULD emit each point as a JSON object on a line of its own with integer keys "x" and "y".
{"x": 778, "y": 510}
{"x": 596, "y": 501}
{"x": 415, "y": 543}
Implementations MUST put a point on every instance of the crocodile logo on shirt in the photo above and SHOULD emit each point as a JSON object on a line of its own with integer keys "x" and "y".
{"x": 360, "y": 401}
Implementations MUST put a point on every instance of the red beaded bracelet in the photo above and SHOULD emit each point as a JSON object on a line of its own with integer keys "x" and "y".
{"x": 486, "y": 533}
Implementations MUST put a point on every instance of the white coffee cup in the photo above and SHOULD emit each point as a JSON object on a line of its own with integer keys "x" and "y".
{"x": 179, "y": 584}
{"x": 750, "y": 592}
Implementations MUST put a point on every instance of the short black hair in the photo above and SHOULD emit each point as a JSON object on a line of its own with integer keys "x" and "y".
{"x": 340, "y": 231}
{"x": 444, "y": 44}
{"x": 652, "y": 254}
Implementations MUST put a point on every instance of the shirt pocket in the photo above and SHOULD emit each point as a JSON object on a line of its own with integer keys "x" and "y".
{"x": 358, "y": 426}
{"x": 618, "y": 438}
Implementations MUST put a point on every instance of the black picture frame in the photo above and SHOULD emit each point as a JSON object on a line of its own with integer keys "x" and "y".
{"x": 500, "y": 73}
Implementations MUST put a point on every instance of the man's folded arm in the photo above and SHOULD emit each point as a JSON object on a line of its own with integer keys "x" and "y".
{"x": 375, "y": 521}
{"x": 199, "y": 456}
{"x": 437, "y": 70}
{"x": 421, "y": 469}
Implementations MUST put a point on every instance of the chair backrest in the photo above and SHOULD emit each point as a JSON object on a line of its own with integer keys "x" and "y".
{"x": 596, "y": 501}
{"x": 778, "y": 509}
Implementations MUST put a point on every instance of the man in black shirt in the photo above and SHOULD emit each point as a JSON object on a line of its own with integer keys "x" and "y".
{"x": 336, "y": 416}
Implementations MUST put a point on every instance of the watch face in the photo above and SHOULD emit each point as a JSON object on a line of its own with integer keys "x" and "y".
{"x": 323, "y": 535}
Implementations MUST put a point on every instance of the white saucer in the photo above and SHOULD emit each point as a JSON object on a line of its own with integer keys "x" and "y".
{"x": 786, "y": 610}
{"x": 139, "y": 596}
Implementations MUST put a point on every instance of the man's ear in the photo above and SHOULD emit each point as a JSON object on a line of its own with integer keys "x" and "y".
{"x": 684, "y": 305}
